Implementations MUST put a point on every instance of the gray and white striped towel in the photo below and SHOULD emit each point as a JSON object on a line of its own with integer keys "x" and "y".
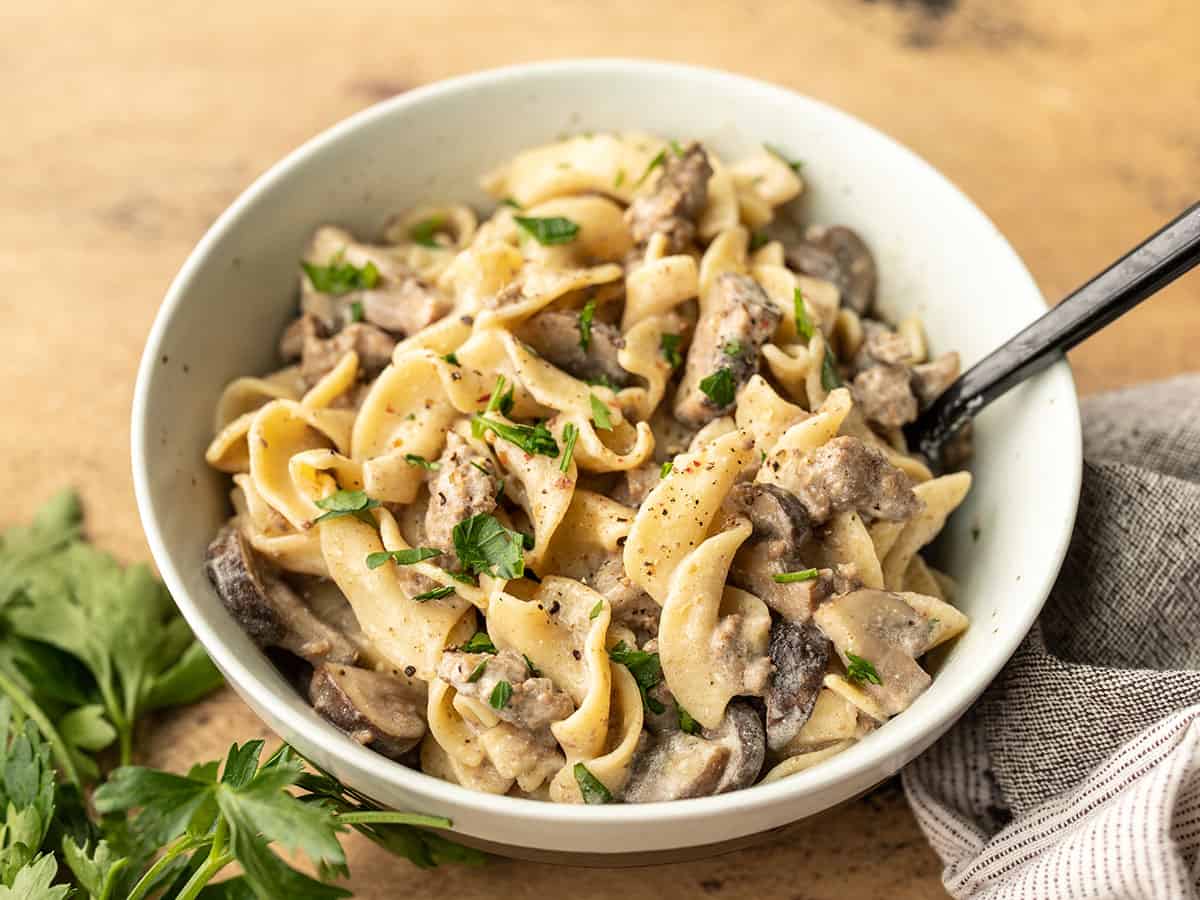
{"x": 1077, "y": 774}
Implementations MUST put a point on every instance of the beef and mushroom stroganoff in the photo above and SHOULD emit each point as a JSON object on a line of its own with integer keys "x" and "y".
{"x": 603, "y": 498}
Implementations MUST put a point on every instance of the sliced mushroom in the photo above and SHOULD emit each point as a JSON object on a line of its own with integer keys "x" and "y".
{"x": 557, "y": 337}
{"x": 776, "y": 514}
{"x": 265, "y": 607}
{"x": 741, "y": 731}
{"x": 677, "y": 201}
{"x": 880, "y": 628}
{"x": 380, "y": 711}
{"x": 800, "y": 654}
{"x": 836, "y": 253}
{"x": 845, "y": 473}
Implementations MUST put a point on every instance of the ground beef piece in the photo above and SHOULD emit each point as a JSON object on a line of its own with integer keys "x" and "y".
{"x": 535, "y": 702}
{"x": 931, "y": 378}
{"x": 884, "y": 394}
{"x": 847, "y": 474}
{"x": 319, "y": 355}
{"x": 461, "y": 488}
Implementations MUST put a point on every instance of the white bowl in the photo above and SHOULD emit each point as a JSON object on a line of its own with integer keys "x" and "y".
{"x": 938, "y": 256}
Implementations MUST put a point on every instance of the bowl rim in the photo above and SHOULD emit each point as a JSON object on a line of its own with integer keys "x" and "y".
{"x": 857, "y": 762}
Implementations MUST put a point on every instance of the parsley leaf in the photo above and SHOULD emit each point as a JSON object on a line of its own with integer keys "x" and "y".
{"x": 675, "y": 148}
{"x": 718, "y": 387}
{"x": 733, "y": 348}
{"x": 570, "y": 436}
{"x": 534, "y": 671}
{"x": 548, "y": 232}
{"x": 510, "y": 201}
{"x": 500, "y": 400}
{"x": 533, "y": 439}
{"x": 423, "y": 232}
{"x": 452, "y": 359}
{"x": 600, "y": 414}
{"x": 436, "y": 593}
{"x": 687, "y": 724}
{"x": 597, "y": 609}
{"x": 669, "y": 344}
{"x": 658, "y": 160}
{"x": 480, "y": 642}
{"x": 347, "y": 503}
{"x": 645, "y": 669}
{"x": 477, "y": 672}
{"x": 794, "y": 164}
{"x": 405, "y": 557}
{"x": 591, "y": 787}
{"x": 33, "y": 881}
{"x": 793, "y": 577}
{"x": 666, "y": 468}
{"x": 357, "y": 313}
{"x": 830, "y": 379}
{"x": 804, "y": 325}
{"x": 414, "y": 460}
{"x": 619, "y": 179}
{"x": 585, "y": 325}
{"x": 758, "y": 240}
{"x": 859, "y": 669}
{"x": 501, "y": 694}
{"x": 340, "y": 277}
{"x": 485, "y": 546}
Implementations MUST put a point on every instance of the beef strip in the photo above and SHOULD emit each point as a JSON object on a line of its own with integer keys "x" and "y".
{"x": 882, "y": 345}
{"x": 319, "y": 355}
{"x": 729, "y": 336}
{"x": 631, "y": 605}
{"x": 677, "y": 201}
{"x": 266, "y": 608}
{"x": 885, "y": 396}
{"x": 931, "y": 378}
{"x": 405, "y": 307}
{"x": 380, "y": 711}
{"x": 535, "y": 702}
{"x": 800, "y": 654}
{"x": 459, "y": 490}
{"x": 845, "y": 473}
{"x": 555, "y": 335}
{"x": 837, "y": 254}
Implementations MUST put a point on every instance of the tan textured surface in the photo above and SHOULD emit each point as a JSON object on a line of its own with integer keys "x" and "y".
{"x": 130, "y": 125}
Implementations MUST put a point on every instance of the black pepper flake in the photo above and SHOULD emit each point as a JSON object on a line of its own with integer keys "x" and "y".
{"x": 577, "y": 654}
{"x": 555, "y": 607}
{"x": 410, "y": 671}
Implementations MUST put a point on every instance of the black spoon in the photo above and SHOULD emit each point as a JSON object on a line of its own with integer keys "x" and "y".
{"x": 1143, "y": 271}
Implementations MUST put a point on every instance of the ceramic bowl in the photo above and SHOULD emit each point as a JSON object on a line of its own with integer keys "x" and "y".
{"x": 938, "y": 255}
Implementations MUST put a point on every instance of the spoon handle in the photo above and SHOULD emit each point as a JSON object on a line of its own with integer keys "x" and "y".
{"x": 1149, "y": 267}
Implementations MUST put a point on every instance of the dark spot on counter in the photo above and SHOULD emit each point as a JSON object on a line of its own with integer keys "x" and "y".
{"x": 376, "y": 89}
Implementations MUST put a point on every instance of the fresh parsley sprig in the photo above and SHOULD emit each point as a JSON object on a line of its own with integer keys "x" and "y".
{"x": 645, "y": 669}
{"x": 586, "y": 315}
{"x": 485, "y": 547}
{"x": 719, "y": 387}
{"x": 341, "y": 277}
{"x": 550, "y": 231}
{"x": 347, "y": 503}
{"x": 859, "y": 669}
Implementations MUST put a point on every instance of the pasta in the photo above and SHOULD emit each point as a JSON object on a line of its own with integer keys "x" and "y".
{"x": 590, "y": 472}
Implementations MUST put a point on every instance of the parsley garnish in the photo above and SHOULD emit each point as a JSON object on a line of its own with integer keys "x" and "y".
{"x": 509, "y": 201}
{"x": 687, "y": 724}
{"x": 570, "y": 436}
{"x": 500, "y": 400}
{"x": 666, "y": 469}
{"x": 484, "y": 546}
{"x": 452, "y": 359}
{"x": 600, "y": 414}
{"x": 356, "y": 311}
{"x": 659, "y": 160}
{"x": 501, "y": 694}
{"x": 830, "y": 378}
{"x": 480, "y": 642}
{"x": 793, "y": 577}
{"x": 436, "y": 593}
{"x": 597, "y": 609}
{"x": 477, "y": 672}
{"x": 645, "y": 669}
{"x": 794, "y": 164}
{"x": 592, "y": 788}
{"x": 341, "y": 277}
{"x": 548, "y": 232}
{"x": 404, "y": 557}
{"x": 534, "y": 671}
{"x": 860, "y": 669}
{"x": 414, "y": 460}
{"x": 669, "y": 344}
{"x": 718, "y": 387}
{"x": 585, "y": 325}
{"x": 347, "y": 503}
{"x": 620, "y": 179}
{"x": 758, "y": 240}
{"x": 675, "y": 148}
{"x": 422, "y": 233}
{"x": 733, "y": 348}
{"x": 804, "y": 325}
{"x": 533, "y": 439}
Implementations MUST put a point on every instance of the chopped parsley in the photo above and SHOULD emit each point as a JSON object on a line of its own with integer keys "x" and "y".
{"x": 509, "y": 201}
{"x": 733, "y": 348}
{"x": 859, "y": 669}
{"x": 794, "y": 164}
{"x": 570, "y": 435}
{"x": 658, "y": 160}
{"x": 675, "y": 148}
{"x": 804, "y": 325}
{"x": 534, "y": 671}
{"x": 405, "y": 557}
{"x": 830, "y": 378}
{"x": 414, "y": 460}
{"x": 620, "y": 179}
{"x": 669, "y": 344}
{"x": 477, "y": 672}
{"x": 501, "y": 694}
{"x": 718, "y": 387}
{"x": 645, "y": 669}
{"x": 480, "y": 642}
{"x": 603, "y": 380}
{"x": 500, "y": 399}
{"x": 341, "y": 277}
{"x": 793, "y": 577}
{"x": 436, "y": 593}
{"x": 423, "y": 232}
{"x": 485, "y": 546}
{"x": 597, "y": 609}
{"x": 687, "y": 724}
{"x": 533, "y": 439}
{"x": 452, "y": 359}
{"x": 585, "y": 325}
{"x": 600, "y": 414}
{"x": 666, "y": 469}
{"x": 758, "y": 240}
{"x": 590, "y": 787}
{"x": 356, "y": 311}
{"x": 548, "y": 232}
{"x": 347, "y": 503}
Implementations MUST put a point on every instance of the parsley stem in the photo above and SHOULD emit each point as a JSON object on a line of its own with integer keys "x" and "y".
{"x": 32, "y": 711}
{"x": 146, "y": 883}
{"x": 387, "y": 817}
{"x": 218, "y": 859}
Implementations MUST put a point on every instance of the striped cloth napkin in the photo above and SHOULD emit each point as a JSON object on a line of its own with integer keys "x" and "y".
{"x": 1077, "y": 774}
